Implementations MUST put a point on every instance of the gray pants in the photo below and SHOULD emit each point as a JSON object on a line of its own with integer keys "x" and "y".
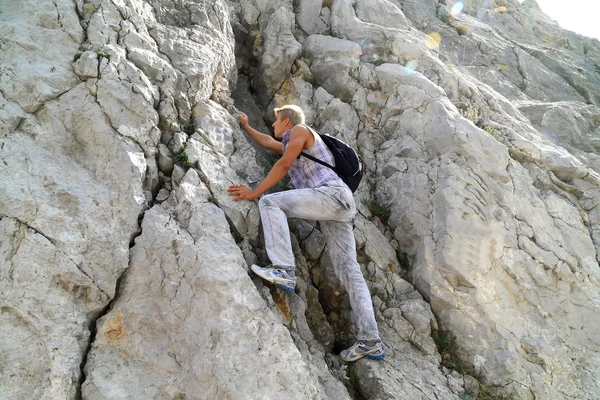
{"x": 334, "y": 207}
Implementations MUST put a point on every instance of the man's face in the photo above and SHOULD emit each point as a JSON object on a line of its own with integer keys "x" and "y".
{"x": 280, "y": 126}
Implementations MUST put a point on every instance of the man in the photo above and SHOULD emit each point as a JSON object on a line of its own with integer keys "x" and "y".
{"x": 320, "y": 195}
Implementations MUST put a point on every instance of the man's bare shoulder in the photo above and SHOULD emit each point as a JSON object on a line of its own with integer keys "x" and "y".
{"x": 301, "y": 133}
{"x": 300, "y": 130}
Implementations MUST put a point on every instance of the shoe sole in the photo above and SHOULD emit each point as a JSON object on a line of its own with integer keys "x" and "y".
{"x": 286, "y": 288}
{"x": 369, "y": 356}
{"x": 270, "y": 279}
{"x": 378, "y": 357}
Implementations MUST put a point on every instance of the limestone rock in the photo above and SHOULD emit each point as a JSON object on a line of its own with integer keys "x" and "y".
{"x": 280, "y": 49}
{"x": 573, "y": 126}
{"x": 86, "y": 65}
{"x": 471, "y": 386}
{"x": 483, "y": 232}
{"x": 165, "y": 163}
{"x": 308, "y": 16}
{"x": 196, "y": 275}
{"x": 73, "y": 188}
{"x": 482, "y": 142}
{"x": 46, "y": 298}
{"x": 331, "y": 62}
{"x": 381, "y": 12}
{"x": 40, "y": 43}
{"x": 340, "y": 120}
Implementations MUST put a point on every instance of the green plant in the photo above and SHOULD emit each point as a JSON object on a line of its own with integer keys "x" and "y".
{"x": 190, "y": 127}
{"x": 462, "y": 29}
{"x": 446, "y": 344}
{"x": 454, "y": 364}
{"x": 374, "y": 290}
{"x": 181, "y": 158}
{"x": 292, "y": 224}
{"x": 471, "y": 113}
{"x": 444, "y": 340}
{"x": 403, "y": 259}
{"x": 489, "y": 129}
{"x": 212, "y": 199}
{"x": 102, "y": 53}
{"x": 382, "y": 211}
{"x": 502, "y": 67}
{"x": 484, "y": 392}
{"x": 492, "y": 131}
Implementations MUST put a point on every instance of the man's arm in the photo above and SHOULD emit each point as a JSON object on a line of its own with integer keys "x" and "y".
{"x": 264, "y": 140}
{"x": 298, "y": 138}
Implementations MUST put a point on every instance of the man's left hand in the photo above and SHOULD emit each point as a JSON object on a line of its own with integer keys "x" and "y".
{"x": 241, "y": 192}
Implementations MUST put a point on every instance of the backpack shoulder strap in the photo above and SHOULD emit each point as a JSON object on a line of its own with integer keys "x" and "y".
{"x": 315, "y": 159}
{"x": 311, "y": 157}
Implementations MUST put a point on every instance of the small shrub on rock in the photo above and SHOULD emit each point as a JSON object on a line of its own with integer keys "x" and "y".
{"x": 462, "y": 29}
{"x": 471, "y": 113}
{"x": 446, "y": 344}
{"x": 190, "y": 127}
{"x": 382, "y": 211}
{"x": 102, "y": 53}
{"x": 403, "y": 259}
{"x": 181, "y": 158}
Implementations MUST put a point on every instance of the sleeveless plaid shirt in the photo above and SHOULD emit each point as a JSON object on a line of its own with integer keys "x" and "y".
{"x": 306, "y": 173}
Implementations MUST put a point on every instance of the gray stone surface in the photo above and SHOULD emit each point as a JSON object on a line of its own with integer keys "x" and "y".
{"x": 332, "y": 60}
{"x": 308, "y": 16}
{"x": 186, "y": 313}
{"x": 572, "y": 125}
{"x": 280, "y": 49}
{"x": 479, "y": 213}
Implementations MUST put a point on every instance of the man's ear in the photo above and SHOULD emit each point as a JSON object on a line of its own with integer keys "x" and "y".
{"x": 286, "y": 121}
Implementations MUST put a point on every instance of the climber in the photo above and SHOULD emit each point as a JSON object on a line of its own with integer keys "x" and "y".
{"x": 320, "y": 195}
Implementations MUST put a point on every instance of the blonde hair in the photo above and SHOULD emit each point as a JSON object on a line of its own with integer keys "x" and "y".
{"x": 294, "y": 113}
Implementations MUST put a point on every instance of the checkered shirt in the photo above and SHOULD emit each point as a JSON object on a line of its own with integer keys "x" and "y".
{"x": 306, "y": 173}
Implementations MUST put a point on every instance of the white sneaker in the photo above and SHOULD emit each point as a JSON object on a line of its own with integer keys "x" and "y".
{"x": 360, "y": 350}
{"x": 277, "y": 276}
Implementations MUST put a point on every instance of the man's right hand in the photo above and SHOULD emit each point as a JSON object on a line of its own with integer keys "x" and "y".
{"x": 262, "y": 139}
{"x": 243, "y": 120}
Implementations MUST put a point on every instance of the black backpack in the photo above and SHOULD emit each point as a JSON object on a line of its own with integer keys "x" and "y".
{"x": 348, "y": 164}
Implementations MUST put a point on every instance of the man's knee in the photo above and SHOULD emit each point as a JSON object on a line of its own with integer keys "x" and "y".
{"x": 266, "y": 201}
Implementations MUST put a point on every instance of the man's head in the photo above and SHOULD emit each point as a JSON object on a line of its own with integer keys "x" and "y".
{"x": 286, "y": 118}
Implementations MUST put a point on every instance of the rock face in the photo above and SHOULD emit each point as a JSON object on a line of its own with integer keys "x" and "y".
{"x": 186, "y": 314}
{"x": 124, "y": 263}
